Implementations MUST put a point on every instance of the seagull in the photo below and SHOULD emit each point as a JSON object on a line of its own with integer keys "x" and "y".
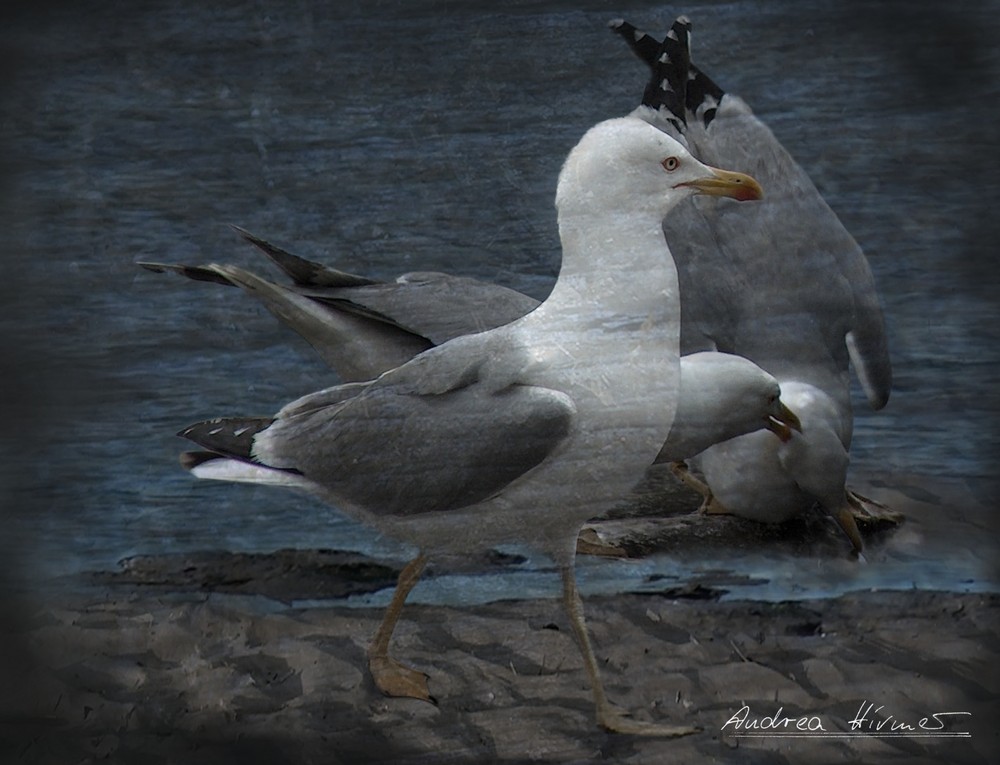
{"x": 522, "y": 432}
{"x": 786, "y": 287}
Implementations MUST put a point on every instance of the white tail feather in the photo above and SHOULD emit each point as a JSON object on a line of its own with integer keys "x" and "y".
{"x": 243, "y": 472}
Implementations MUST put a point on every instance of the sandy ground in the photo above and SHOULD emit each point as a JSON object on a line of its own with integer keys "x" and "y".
{"x": 127, "y": 670}
{"x": 218, "y": 657}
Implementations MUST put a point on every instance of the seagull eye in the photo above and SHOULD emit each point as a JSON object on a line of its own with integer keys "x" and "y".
{"x": 670, "y": 164}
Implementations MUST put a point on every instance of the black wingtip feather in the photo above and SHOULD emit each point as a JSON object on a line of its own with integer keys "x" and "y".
{"x": 701, "y": 89}
{"x": 196, "y": 273}
{"x": 304, "y": 273}
{"x": 227, "y": 437}
{"x": 644, "y": 45}
{"x": 698, "y": 91}
{"x": 666, "y": 91}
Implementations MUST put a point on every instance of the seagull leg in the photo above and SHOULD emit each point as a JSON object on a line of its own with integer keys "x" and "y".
{"x": 608, "y": 716}
{"x": 709, "y": 504}
{"x": 845, "y": 518}
{"x": 391, "y": 677}
{"x": 683, "y": 474}
{"x": 869, "y": 512}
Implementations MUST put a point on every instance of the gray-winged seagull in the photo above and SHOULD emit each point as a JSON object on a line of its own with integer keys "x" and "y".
{"x": 519, "y": 433}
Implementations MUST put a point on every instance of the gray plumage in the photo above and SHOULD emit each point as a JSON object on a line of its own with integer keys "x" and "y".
{"x": 787, "y": 287}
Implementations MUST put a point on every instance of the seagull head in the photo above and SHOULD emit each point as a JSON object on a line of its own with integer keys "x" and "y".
{"x": 756, "y": 394}
{"x": 627, "y": 165}
{"x": 726, "y": 396}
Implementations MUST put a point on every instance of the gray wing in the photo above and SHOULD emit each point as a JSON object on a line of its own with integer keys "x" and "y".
{"x": 362, "y": 328}
{"x": 804, "y": 279}
{"x": 304, "y": 273}
{"x": 435, "y": 306}
{"x": 356, "y": 344}
{"x": 440, "y": 306}
{"x": 408, "y": 444}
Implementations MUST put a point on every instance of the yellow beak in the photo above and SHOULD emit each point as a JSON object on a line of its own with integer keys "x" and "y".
{"x": 783, "y": 423}
{"x": 724, "y": 183}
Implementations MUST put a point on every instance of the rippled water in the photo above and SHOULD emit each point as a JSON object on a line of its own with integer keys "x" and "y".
{"x": 385, "y": 137}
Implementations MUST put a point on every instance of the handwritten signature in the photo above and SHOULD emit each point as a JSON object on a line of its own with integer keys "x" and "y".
{"x": 870, "y": 720}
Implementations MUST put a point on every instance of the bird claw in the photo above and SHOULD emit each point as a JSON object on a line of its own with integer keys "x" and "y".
{"x": 398, "y": 680}
{"x": 868, "y": 511}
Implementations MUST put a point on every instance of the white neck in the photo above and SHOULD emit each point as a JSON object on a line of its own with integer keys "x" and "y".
{"x": 616, "y": 269}
{"x": 608, "y": 334}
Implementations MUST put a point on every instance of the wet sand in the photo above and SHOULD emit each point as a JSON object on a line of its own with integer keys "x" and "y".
{"x": 182, "y": 660}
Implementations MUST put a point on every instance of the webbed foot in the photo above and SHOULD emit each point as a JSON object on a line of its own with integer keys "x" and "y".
{"x": 398, "y": 680}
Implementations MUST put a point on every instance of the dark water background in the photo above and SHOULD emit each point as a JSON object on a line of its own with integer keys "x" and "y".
{"x": 390, "y": 136}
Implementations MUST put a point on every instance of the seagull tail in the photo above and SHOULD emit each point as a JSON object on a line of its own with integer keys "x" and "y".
{"x": 229, "y": 453}
{"x": 304, "y": 273}
{"x": 213, "y": 467}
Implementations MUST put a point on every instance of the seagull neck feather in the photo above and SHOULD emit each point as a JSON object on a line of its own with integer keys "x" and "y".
{"x": 615, "y": 263}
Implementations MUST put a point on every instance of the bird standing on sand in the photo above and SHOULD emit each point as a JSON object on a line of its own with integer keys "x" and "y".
{"x": 520, "y": 433}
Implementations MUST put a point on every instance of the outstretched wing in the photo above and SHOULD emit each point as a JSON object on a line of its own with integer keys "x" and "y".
{"x": 360, "y": 327}
{"x": 432, "y": 305}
